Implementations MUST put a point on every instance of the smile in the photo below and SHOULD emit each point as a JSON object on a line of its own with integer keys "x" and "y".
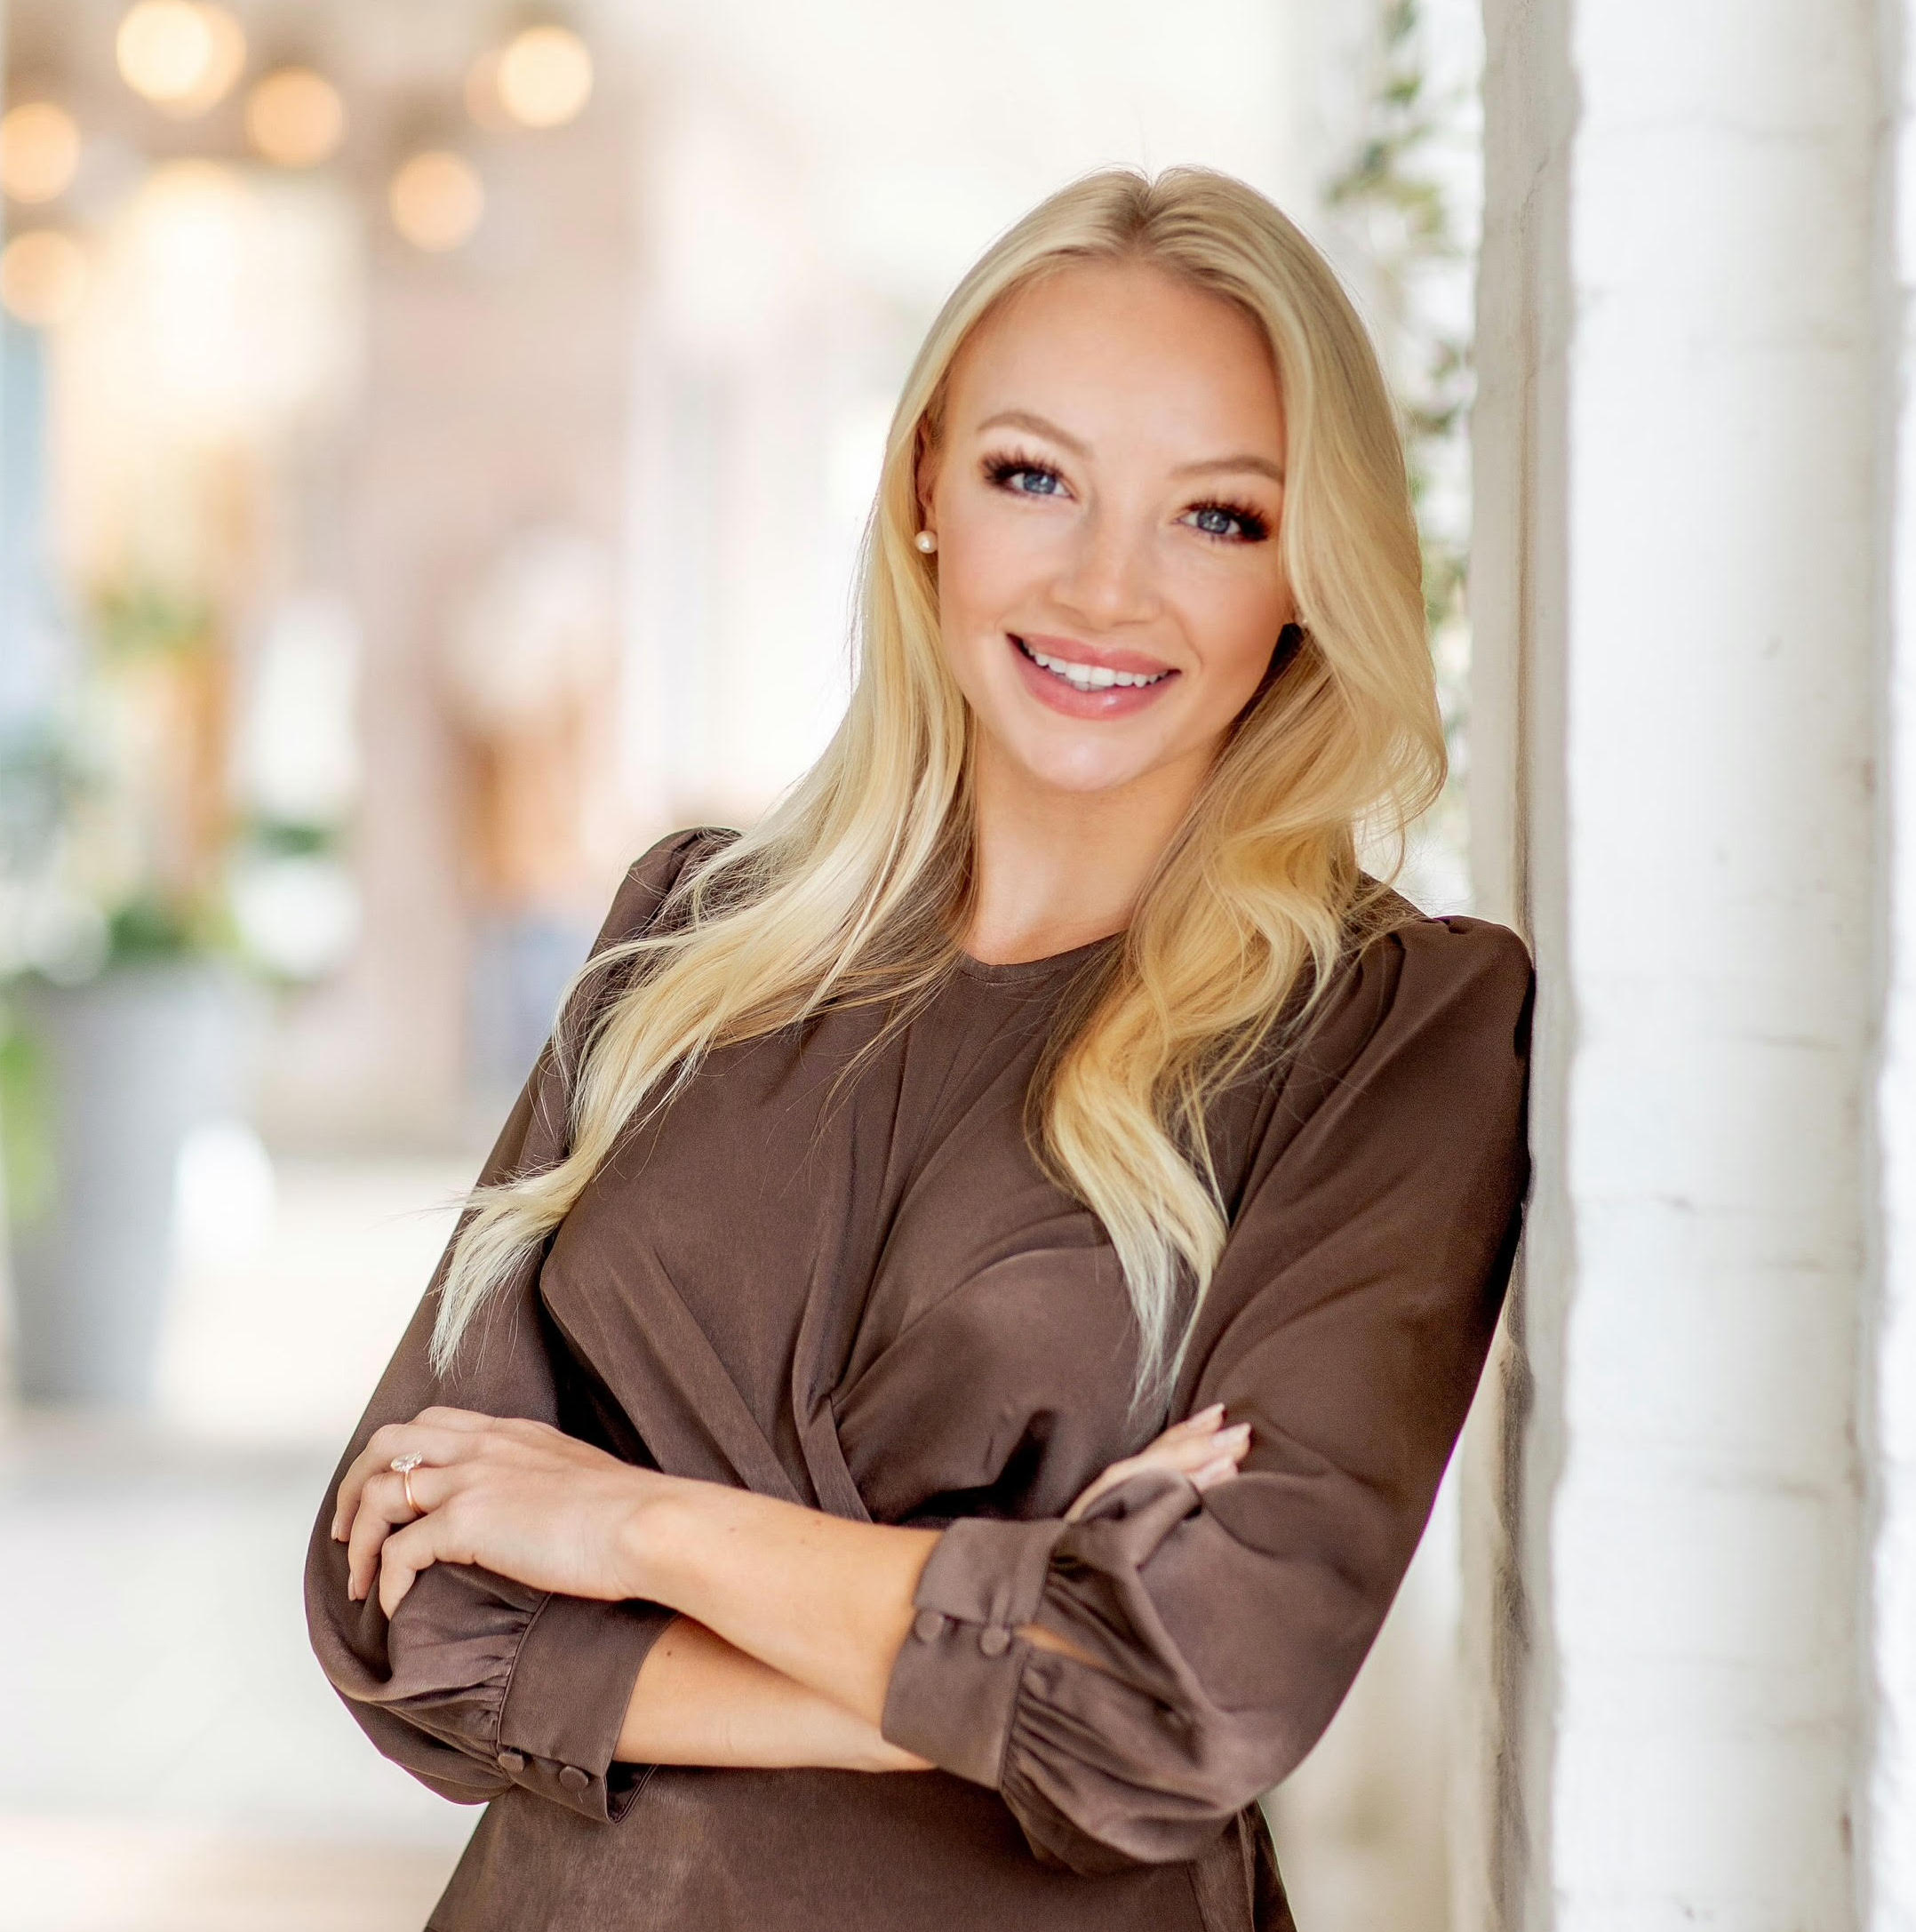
{"x": 1090, "y": 677}
{"x": 1075, "y": 689}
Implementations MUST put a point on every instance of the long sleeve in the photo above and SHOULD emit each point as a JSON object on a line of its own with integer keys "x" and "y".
{"x": 1347, "y": 1320}
{"x": 479, "y": 1683}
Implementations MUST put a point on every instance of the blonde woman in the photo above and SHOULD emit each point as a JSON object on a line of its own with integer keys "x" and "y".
{"x": 952, "y": 1351}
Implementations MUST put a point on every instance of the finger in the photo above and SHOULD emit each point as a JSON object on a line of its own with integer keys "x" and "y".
{"x": 434, "y": 1444}
{"x": 383, "y": 1508}
{"x": 405, "y": 1553}
{"x": 470, "y": 1421}
{"x": 1223, "y": 1470}
{"x": 440, "y": 1537}
{"x": 1191, "y": 1452}
{"x": 1202, "y": 1423}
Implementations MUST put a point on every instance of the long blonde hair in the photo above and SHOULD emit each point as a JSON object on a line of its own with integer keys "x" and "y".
{"x": 857, "y": 884}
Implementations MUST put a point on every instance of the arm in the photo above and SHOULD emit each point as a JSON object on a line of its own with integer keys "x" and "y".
{"x": 815, "y": 1607}
{"x": 1348, "y": 1319}
{"x": 844, "y": 1603}
{"x": 699, "y": 1701}
{"x": 1197, "y": 1646}
{"x": 484, "y": 1681}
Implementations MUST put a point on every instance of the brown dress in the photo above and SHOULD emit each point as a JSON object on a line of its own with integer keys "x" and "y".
{"x": 872, "y": 1302}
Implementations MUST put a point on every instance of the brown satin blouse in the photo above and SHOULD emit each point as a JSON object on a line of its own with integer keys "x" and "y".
{"x": 871, "y": 1301}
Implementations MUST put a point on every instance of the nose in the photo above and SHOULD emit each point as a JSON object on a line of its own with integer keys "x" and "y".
{"x": 1108, "y": 577}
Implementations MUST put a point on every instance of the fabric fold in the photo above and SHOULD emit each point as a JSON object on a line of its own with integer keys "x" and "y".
{"x": 479, "y": 1684}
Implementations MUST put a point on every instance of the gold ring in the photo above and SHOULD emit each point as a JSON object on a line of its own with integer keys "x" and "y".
{"x": 402, "y": 1467}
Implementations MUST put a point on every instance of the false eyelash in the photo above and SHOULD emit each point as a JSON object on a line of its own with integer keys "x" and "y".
{"x": 1255, "y": 528}
{"x": 1000, "y": 469}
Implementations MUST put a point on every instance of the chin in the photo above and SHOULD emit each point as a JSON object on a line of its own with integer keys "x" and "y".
{"x": 1083, "y": 770}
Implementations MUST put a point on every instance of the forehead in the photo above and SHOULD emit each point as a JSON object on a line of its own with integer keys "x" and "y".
{"x": 1126, "y": 347}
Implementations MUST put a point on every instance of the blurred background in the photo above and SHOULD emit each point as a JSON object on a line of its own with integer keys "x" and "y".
{"x": 436, "y": 436}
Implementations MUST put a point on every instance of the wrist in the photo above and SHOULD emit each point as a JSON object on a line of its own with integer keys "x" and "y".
{"x": 653, "y": 1528}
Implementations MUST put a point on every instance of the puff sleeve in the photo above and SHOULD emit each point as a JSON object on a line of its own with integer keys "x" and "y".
{"x": 1347, "y": 1320}
{"x": 479, "y": 1683}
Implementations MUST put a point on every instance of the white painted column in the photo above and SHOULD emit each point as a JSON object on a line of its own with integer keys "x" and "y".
{"x": 1679, "y": 589}
{"x": 1888, "y": 1836}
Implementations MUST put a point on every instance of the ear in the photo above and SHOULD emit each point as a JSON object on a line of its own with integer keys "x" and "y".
{"x": 925, "y": 463}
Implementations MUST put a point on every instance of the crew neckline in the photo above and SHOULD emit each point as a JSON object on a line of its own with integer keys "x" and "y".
{"x": 1003, "y": 971}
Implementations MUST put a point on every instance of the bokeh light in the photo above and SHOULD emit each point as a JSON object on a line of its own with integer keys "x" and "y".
{"x": 545, "y": 77}
{"x": 39, "y": 151}
{"x": 295, "y": 117}
{"x": 182, "y": 55}
{"x": 481, "y": 93}
{"x": 436, "y": 200}
{"x": 43, "y": 276}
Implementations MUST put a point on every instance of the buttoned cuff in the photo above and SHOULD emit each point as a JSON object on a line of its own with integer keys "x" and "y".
{"x": 566, "y": 1705}
{"x": 956, "y": 1682}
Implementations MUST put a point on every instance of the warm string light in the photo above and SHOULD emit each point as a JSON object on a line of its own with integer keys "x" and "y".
{"x": 181, "y": 55}
{"x": 43, "y": 276}
{"x": 544, "y": 76}
{"x": 295, "y": 117}
{"x": 436, "y": 199}
{"x": 39, "y": 151}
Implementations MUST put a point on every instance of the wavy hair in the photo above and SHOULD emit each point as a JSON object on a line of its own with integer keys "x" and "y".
{"x": 857, "y": 884}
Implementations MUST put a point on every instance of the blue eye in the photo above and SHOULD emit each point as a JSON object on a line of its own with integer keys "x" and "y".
{"x": 1228, "y": 521}
{"x": 1023, "y": 477}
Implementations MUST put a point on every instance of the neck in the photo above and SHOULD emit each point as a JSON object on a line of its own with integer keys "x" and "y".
{"x": 1056, "y": 869}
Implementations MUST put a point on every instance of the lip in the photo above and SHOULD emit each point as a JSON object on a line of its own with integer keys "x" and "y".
{"x": 1116, "y": 702}
{"x": 1097, "y": 655}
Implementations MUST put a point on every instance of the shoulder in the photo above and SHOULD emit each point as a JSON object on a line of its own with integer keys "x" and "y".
{"x": 1445, "y": 947}
{"x": 660, "y": 867}
{"x": 1451, "y": 983}
{"x": 1456, "y": 950}
{"x": 650, "y": 877}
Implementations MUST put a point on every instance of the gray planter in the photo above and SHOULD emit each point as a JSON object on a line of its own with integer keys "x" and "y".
{"x": 132, "y": 1062}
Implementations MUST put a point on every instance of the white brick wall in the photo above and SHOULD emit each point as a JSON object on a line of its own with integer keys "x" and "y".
{"x": 1889, "y": 1836}
{"x": 1679, "y": 586}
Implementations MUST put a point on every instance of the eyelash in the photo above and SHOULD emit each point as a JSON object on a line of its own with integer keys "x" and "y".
{"x": 1252, "y": 528}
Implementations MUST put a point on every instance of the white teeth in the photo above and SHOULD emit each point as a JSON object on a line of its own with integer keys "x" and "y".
{"x": 1092, "y": 677}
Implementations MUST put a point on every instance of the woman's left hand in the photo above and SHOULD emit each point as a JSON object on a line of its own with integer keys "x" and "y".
{"x": 515, "y": 1497}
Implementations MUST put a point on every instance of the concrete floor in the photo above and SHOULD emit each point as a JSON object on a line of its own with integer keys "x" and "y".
{"x": 175, "y": 1759}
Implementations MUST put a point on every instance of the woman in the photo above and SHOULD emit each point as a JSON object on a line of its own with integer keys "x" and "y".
{"x": 754, "y": 1510}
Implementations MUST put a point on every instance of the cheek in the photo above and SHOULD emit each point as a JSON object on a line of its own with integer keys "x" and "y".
{"x": 1234, "y": 624}
{"x": 988, "y": 567}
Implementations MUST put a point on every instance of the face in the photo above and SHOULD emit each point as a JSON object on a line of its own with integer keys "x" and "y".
{"x": 1107, "y": 494}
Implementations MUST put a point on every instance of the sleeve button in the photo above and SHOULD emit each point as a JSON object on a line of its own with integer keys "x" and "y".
{"x": 994, "y": 1639}
{"x": 573, "y": 1778}
{"x": 926, "y": 1626}
{"x": 512, "y": 1761}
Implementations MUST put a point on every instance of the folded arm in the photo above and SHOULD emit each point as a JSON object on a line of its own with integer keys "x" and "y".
{"x": 792, "y": 1619}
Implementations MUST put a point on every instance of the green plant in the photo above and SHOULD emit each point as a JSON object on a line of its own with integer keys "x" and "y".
{"x": 26, "y": 1137}
{"x": 1399, "y": 192}
{"x": 1393, "y": 189}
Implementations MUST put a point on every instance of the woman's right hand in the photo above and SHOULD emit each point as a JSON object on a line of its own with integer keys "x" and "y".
{"x": 1200, "y": 1447}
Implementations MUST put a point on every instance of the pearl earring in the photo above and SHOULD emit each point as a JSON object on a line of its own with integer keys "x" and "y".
{"x": 926, "y": 542}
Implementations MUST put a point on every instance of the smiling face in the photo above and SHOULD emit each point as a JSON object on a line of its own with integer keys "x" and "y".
{"x": 1105, "y": 493}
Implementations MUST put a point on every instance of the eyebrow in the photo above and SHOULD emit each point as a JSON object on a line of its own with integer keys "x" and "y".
{"x": 1024, "y": 419}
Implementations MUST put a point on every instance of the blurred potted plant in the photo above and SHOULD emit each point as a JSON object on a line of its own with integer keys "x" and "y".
{"x": 119, "y": 979}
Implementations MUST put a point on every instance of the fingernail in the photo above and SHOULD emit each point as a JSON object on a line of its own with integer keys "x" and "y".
{"x": 1237, "y": 1432}
{"x": 1210, "y": 1414}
